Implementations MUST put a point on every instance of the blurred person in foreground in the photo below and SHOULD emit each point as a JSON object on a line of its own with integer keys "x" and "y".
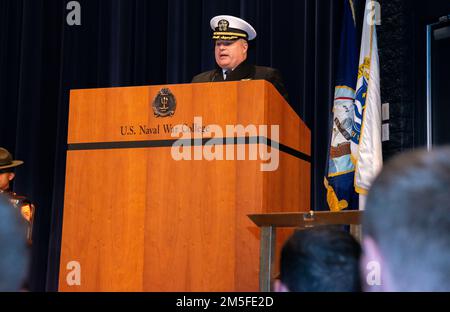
{"x": 320, "y": 259}
{"x": 406, "y": 226}
{"x": 14, "y": 251}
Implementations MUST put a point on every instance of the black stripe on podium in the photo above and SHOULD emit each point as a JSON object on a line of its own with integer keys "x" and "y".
{"x": 192, "y": 142}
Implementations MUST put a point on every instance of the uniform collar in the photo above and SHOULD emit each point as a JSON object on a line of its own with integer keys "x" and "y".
{"x": 242, "y": 71}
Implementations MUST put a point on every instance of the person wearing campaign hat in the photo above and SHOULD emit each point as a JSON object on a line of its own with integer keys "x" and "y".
{"x": 7, "y": 175}
{"x": 231, "y": 36}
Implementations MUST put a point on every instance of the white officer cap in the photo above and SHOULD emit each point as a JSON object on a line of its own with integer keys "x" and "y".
{"x": 227, "y": 27}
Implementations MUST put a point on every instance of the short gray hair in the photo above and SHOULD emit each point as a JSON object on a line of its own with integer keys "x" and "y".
{"x": 408, "y": 216}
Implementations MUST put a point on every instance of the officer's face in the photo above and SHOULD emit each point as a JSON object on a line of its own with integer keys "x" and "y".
{"x": 229, "y": 54}
{"x": 5, "y": 178}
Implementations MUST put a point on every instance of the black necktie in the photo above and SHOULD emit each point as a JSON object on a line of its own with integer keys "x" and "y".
{"x": 226, "y": 74}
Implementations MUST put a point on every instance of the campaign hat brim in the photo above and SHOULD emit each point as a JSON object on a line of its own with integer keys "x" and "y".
{"x": 15, "y": 163}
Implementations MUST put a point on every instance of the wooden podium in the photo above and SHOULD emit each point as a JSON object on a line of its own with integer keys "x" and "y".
{"x": 137, "y": 219}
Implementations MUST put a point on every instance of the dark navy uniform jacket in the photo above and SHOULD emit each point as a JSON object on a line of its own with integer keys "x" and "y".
{"x": 245, "y": 71}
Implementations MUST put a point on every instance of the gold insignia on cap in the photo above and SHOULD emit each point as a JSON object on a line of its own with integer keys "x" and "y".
{"x": 223, "y": 25}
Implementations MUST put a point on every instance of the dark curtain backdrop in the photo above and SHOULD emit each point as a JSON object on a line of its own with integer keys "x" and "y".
{"x": 139, "y": 42}
{"x": 402, "y": 49}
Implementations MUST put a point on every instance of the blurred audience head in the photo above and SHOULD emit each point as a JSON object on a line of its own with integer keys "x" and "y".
{"x": 407, "y": 225}
{"x": 320, "y": 259}
{"x": 14, "y": 256}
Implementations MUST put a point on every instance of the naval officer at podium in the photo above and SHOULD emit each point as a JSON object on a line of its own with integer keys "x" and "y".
{"x": 231, "y": 35}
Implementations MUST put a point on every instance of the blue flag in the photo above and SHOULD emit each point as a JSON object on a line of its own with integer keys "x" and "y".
{"x": 340, "y": 173}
